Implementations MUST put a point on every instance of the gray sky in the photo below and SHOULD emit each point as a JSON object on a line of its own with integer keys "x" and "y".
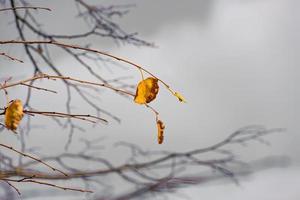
{"x": 235, "y": 61}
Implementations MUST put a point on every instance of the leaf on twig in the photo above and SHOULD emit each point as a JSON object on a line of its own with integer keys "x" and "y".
{"x": 14, "y": 114}
{"x": 146, "y": 91}
{"x": 160, "y": 131}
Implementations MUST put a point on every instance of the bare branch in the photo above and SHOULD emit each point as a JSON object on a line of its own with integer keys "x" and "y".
{"x": 45, "y": 76}
{"x": 33, "y": 158}
{"x": 12, "y": 186}
{"x": 84, "y": 117}
{"x": 25, "y": 7}
{"x": 51, "y": 42}
{"x": 11, "y": 58}
{"x": 25, "y": 180}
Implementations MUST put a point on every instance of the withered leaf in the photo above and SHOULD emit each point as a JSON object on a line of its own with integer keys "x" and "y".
{"x": 160, "y": 131}
{"x": 146, "y": 91}
{"x": 14, "y": 114}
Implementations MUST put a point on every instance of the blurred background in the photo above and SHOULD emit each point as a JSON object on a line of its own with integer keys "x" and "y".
{"x": 236, "y": 63}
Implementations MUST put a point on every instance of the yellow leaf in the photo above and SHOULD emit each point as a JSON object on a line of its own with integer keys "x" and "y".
{"x": 180, "y": 97}
{"x": 14, "y": 114}
{"x": 146, "y": 91}
{"x": 160, "y": 131}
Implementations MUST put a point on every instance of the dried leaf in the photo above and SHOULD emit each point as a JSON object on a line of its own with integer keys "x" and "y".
{"x": 160, "y": 131}
{"x": 180, "y": 97}
{"x": 14, "y": 114}
{"x": 146, "y": 91}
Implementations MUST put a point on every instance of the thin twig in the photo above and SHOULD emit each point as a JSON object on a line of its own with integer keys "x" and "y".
{"x": 33, "y": 158}
{"x": 46, "y": 183}
{"x": 66, "y": 115}
{"x": 38, "y": 88}
{"x": 26, "y": 7}
{"x": 45, "y": 76}
{"x": 11, "y": 58}
{"x": 51, "y": 42}
{"x": 11, "y": 185}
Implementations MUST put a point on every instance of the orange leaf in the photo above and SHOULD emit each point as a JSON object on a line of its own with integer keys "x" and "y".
{"x": 160, "y": 131}
{"x": 146, "y": 91}
{"x": 13, "y": 114}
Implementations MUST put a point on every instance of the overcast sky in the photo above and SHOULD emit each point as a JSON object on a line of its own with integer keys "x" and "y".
{"x": 235, "y": 61}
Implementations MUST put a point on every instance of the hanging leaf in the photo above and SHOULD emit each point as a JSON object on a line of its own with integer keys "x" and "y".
{"x": 14, "y": 114}
{"x": 180, "y": 97}
{"x": 160, "y": 131}
{"x": 146, "y": 91}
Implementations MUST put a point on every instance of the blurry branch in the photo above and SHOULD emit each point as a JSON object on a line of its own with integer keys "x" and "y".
{"x": 172, "y": 184}
{"x": 99, "y": 18}
{"x": 12, "y": 186}
{"x": 22, "y": 36}
{"x": 164, "y": 160}
{"x": 165, "y": 172}
{"x": 25, "y": 7}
